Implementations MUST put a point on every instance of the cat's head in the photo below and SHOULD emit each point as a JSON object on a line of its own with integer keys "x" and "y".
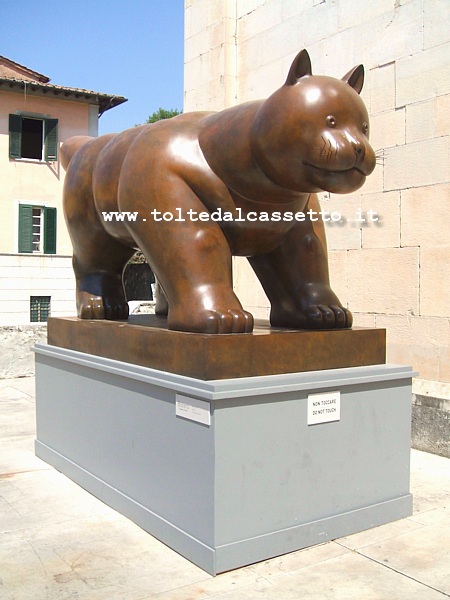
{"x": 313, "y": 133}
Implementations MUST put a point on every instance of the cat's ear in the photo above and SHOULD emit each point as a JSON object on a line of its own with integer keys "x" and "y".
{"x": 299, "y": 68}
{"x": 355, "y": 78}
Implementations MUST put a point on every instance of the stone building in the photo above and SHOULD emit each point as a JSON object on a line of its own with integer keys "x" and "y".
{"x": 393, "y": 273}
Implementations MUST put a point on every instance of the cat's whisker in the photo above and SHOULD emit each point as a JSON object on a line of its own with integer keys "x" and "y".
{"x": 379, "y": 156}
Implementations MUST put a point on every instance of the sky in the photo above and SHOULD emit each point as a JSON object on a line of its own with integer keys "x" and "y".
{"x": 130, "y": 48}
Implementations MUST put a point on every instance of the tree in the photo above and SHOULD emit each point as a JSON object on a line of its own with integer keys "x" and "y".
{"x": 163, "y": 113}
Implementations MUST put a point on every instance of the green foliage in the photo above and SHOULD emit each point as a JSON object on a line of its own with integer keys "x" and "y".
{"x": 162, "y": 113}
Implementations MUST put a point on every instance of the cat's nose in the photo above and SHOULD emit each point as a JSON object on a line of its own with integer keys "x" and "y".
{"x": 359, "y": 150}
{"x": 357, "y": 146}
{"x": 364, "y": 157}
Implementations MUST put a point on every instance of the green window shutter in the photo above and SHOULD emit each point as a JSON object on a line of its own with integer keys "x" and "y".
{"x": 51, "y": 139}
{"x": 25, "y": 228}
{"x": 49, "y": 230}
{"x": 15, "y": 136}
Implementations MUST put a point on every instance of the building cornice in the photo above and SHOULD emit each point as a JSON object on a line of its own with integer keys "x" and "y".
{"x": 34, "y": 88}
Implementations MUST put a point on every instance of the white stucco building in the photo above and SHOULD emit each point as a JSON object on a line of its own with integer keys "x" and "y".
{"x": 36, "y": 116}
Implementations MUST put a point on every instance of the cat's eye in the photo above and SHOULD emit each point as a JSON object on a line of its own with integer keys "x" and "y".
{"x": 331, "y": 121}
{"x": 365, "y": 128}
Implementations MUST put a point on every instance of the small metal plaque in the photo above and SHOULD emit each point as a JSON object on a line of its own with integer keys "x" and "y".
{"x": 192, "y": 409}
{"x": 324, "y": 408}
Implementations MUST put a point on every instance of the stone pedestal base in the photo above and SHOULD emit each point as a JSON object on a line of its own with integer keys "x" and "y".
{"x": 230, "y": 472}
{"x": 145, "y": 340}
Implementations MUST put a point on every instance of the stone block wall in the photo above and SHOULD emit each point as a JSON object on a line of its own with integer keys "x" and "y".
{"x": 394, "y": 272}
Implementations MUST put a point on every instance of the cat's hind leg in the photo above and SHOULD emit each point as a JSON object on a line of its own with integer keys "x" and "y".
{"x": 98, "y": 259}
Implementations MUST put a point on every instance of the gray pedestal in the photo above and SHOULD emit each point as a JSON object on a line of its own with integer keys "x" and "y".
{"x": 229, "y": 472}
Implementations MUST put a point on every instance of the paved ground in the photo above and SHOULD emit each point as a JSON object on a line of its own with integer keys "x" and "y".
{"x": 58, "y": 542}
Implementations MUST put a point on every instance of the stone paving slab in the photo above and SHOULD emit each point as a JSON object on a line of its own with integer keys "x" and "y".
{"x": 57, "y": 542}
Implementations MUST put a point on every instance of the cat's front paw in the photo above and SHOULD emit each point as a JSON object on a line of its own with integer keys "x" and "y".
{"x": 235, "y": 320}
{"x": 315, "y": 316}
{"x": 325, "y": 316}
{"x": 313, "y": 306}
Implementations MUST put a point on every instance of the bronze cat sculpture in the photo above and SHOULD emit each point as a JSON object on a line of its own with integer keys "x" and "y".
{"x": 202, "y": 187}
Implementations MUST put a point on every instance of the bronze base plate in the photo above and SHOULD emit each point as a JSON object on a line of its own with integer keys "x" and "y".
{"x": 145, "y": 340}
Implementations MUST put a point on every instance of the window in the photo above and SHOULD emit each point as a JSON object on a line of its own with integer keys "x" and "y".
{"x": 39, "y": 308}
{"x": 37, "y": 229}
{"x": 33, "y": 138}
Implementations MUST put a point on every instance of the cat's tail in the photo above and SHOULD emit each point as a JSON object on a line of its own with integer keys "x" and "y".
{"x": 71, "y": 146}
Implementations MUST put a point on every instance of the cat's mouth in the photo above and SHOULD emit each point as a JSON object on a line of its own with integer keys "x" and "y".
{"x": 338, "y": 171}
